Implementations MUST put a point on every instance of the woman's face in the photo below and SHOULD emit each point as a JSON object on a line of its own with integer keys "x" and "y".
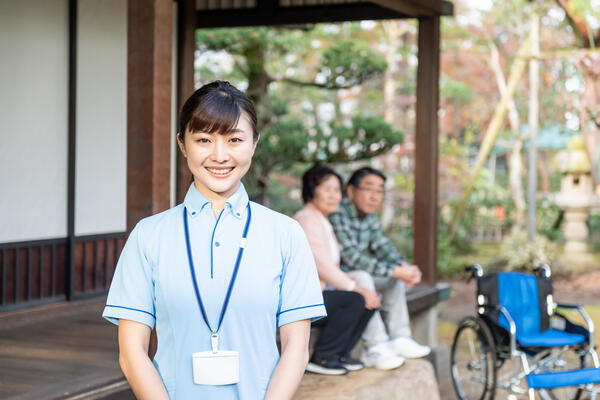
{"x": 328, "y": 195}
{"x": 219, "y": 161}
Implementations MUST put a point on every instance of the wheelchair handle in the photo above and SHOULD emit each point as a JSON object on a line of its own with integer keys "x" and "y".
{"x": 543, "y": 270}
{"x": 476, "y": 271}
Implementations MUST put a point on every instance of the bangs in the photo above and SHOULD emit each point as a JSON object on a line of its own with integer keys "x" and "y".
{"x": 217, "y": 113}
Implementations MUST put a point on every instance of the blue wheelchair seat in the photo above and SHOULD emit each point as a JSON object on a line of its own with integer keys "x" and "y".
{"x": 564, "y": 378}
{"x": 549, "y": 338}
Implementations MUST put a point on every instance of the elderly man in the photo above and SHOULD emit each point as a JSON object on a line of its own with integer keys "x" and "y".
{"x": 370, "y": 258}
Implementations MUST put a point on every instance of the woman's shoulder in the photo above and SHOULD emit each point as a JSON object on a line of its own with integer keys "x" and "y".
{"x": 309, "y": 220}
{"x": 266, "y": 212}
{"x": 156, "y": 223}
{"x": 305, "y": 213}
{"x": 273, "y": 219}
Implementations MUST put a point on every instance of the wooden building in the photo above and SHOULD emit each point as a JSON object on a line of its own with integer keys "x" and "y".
{"x": 89, "y": 96}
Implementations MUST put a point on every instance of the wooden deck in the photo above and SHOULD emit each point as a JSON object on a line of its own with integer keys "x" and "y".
{"x": 56, "y": 351}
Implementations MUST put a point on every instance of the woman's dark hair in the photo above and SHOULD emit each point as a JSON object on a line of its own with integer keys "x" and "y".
{"x": 360, "y": 173}
{"x": 216, "y": 107}
{"x": 313, "y": 178}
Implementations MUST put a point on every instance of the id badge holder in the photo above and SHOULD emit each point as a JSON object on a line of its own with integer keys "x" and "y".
{"x": 216, "y": 367}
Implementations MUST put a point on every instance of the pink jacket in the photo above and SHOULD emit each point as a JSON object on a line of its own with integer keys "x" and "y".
{"x": 309, "y": 218}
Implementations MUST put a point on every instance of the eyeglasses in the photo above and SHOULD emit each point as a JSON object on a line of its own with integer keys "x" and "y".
{"x": 379, "y": 192}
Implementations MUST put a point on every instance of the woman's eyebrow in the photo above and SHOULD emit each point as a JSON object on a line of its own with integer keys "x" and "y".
{"x": 229, "y": 132}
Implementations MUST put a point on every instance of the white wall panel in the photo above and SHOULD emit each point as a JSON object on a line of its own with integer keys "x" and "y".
{"x": 101, "y": 167}
{"x": 33, "y": 119}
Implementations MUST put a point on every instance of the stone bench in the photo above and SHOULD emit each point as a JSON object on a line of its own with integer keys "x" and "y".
{"x": 416, "y": 379}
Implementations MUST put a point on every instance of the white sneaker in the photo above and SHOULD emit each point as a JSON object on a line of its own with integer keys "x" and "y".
{"x": 406, "y": 347}
{"x": 381, "y": 357}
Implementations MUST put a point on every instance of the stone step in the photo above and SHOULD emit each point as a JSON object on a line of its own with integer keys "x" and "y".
{"x": 414, "y": 380}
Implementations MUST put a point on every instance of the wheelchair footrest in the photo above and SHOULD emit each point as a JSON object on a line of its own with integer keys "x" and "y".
{"x": 576, "y": 377}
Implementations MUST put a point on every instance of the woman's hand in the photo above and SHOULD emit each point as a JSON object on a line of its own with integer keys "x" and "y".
{"x": 372, "y": 299}
{"x": 143, "y": 378}
{"x": 292, "y": 364}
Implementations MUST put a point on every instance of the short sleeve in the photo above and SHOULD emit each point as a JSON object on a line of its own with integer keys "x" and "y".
{"x": 300, "y": 294}
{"x": 131, "y": 294}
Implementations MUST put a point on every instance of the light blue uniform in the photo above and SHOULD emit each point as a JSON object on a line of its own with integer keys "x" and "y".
{"x": 277, "y": 283}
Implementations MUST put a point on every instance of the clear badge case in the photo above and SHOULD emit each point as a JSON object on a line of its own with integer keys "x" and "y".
{"x": 216, "y": 368}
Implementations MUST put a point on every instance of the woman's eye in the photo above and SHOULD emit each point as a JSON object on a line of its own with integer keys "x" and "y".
{"x": 203, "y": 140}
{"x": 236, "y": 140}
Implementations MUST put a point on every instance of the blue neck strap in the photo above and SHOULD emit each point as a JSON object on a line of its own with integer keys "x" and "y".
{"x": 233, "y": 275}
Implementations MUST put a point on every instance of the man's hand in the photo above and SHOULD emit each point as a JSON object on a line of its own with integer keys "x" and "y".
{"x": 410, "y": 274}
{"x": 372, "y": 300}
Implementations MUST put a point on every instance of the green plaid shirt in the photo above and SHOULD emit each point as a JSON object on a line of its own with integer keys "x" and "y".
{"x": 364, "y": 247}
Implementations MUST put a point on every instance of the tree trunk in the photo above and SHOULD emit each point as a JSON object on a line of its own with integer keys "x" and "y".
{"x": 258, "y": 79}
{"x": 590, "y": 113}
{"x": 393, "y": 32}
{"x": 515, "y": 160}
{"x": 491, "y": 133}
{"x": 542, "y": 167}
{"x": 258, "y": 82}
{"x": 533, "y": 119}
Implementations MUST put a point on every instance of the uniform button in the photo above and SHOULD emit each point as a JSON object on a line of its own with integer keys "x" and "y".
{"x": 217, "y": 244}
{"x": 238, "y": 214}
{"x": 193, "y": 212}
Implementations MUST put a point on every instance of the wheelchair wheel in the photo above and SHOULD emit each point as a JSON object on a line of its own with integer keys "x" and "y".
{"x": 473, "y": 360}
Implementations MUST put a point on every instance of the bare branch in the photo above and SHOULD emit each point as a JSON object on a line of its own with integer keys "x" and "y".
{"x": 315, "y": 84}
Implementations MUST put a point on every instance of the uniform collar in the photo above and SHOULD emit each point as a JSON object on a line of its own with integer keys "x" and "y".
{"x": 238, "y": 201}
{"x": 195, "y": 201}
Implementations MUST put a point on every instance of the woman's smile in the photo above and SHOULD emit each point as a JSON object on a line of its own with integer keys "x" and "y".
{"x": 220, "y": 172}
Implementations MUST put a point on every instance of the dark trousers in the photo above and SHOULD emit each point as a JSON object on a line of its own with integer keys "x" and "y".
{"x": 346, "y": 320}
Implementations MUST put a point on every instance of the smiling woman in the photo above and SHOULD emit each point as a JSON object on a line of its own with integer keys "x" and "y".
{"x": 216, "y": 275}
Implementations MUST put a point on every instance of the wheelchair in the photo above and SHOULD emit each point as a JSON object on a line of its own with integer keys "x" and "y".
{"x": 521, "y": 343}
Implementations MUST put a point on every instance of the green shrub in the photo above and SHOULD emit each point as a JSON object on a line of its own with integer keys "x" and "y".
{"x": 523, "y": 255}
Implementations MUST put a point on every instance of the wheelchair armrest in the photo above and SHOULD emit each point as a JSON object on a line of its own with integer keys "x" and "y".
{"x": 571, "y": 306}
{"x": 512, "y": 331}
{"x": 511, "y": 324}
{"x": 588, "y": 321}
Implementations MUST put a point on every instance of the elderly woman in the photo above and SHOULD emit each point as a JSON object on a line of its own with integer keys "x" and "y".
{"x": 349, "y": 306}
{"x": 216, "y": 274}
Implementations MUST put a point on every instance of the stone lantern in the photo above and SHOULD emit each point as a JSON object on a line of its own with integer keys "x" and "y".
{"x": 576, "y": 197}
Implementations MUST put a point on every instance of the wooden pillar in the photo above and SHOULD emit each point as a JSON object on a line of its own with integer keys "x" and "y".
{"x": 186, "y": 41}
{"x": 426, "y": 149}
{"x": 149, "y": 69}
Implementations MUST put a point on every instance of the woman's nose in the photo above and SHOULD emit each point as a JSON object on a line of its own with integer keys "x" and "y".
{"x": 219, "y": 152}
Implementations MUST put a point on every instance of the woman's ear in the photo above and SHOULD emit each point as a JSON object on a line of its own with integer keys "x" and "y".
{"x": 254, "y": 145}
{"x": 181, "y": 145}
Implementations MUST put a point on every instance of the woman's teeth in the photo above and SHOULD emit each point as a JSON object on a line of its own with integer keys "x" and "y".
{"x": 220, "y": 171}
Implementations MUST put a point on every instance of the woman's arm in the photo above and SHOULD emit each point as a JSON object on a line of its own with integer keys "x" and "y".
{"x": 294, "y": 357}
{"x": 143, "y": 378}
{"x": 318, "y": 240}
